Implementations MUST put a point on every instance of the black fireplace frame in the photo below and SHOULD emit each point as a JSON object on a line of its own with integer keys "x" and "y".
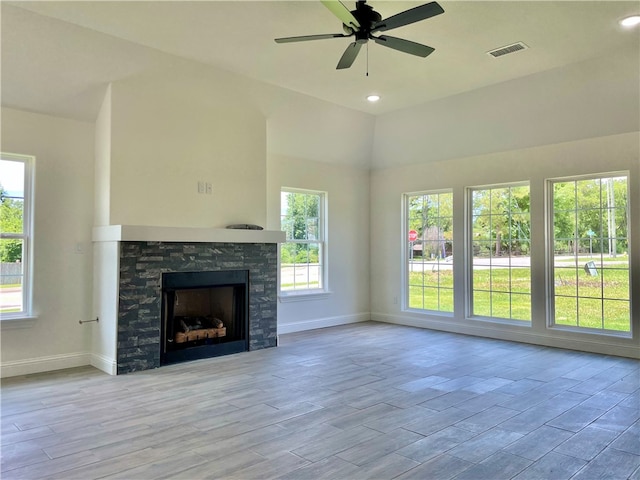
{"x": 175, "y": 281}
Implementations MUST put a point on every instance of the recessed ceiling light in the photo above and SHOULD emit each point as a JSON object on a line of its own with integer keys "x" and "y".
{"x": 631, "y": 21}
{"x": 373, "y": 98}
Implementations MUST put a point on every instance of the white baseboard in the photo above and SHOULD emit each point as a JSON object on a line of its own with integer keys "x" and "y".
{"x": 599, "y": 345}
{"x": 106, "y": 364}
{"x": 44, "y": 364}
{"x": 322, "y": 323}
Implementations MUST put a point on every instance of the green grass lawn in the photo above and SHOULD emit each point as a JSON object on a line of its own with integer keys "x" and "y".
{"x": 598, "y": 259}
{"x": 303, "y": 286}
{"x": 581, "y": 300}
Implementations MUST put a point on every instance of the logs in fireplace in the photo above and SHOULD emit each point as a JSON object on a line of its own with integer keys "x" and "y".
{"x": 190, "y": 329}
{"x": 204, "y": 314}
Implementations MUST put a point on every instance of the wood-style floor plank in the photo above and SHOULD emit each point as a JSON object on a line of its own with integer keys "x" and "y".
{"x": 362, "y": 401}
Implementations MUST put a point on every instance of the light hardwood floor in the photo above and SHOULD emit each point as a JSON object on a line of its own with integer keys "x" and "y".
{"x": 364, "y": 401}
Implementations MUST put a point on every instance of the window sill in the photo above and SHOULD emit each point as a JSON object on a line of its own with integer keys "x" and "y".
{"x": 425, "y": 311}
{"x": 17, "y": 322}
{"x": 591, "y": 331}
{"x": 303, "y": 296}
{"x": 501, "y": 321}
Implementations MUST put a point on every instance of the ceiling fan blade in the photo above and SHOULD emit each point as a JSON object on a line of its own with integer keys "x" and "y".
{"x": 304, "y": 38}
{"x": 407, "y": 17}
{"x": 349, "y": 55}
{"x": 405, "y": 46}
{"x": 343, "y": 13}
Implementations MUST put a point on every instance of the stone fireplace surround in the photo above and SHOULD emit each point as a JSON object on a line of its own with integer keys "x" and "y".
{"x": 142, "y": 262}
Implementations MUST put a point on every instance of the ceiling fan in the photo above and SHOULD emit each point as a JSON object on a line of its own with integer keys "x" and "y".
{"x": 364, "y": 21}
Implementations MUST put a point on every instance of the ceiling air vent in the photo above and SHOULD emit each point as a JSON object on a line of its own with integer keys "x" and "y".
{"x": 514, "y": 47}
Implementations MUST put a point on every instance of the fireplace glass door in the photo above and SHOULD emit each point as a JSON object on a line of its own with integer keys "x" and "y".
{"x": 204, "y": 314}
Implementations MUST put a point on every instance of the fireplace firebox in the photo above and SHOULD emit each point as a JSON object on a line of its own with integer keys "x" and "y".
{"x": 204, "y": 314}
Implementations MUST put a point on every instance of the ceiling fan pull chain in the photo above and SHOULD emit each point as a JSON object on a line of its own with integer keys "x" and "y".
{"x": 367, "y": 59}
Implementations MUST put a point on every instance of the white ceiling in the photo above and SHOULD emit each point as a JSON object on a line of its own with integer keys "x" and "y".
{"x": 55, "y": 62}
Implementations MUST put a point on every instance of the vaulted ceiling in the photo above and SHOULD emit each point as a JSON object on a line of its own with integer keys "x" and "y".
{"x": 58, "y": 56}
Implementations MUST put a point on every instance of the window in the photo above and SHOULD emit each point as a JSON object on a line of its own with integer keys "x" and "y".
{"x": 302, "y": 256}
{"x": 500, "y": 246}
{"x": 430, "y": 251}
{"x": 16, "y": 179}
{"x": 591, "y": 277}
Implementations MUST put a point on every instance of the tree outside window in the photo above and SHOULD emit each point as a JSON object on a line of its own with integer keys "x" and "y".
{"x": 591, "y": 276}
{"x": 302, "y": 256}
{"x": 500, "y": 242}
{"x": 430, "y": 251}
{"x": 15, "y": 235}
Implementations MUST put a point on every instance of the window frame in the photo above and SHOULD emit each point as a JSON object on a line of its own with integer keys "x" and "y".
{"x": 406, "y": 253}
{"x": 302, "y": 294}
{"x": 550, "y": 251}
{"x": 469, "y": 258}
{"x": 27, "y": 237}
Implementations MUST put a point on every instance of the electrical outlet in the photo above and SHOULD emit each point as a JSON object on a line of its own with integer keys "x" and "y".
{"x": 200, "y": 187}
{"x": 208, "y": 188}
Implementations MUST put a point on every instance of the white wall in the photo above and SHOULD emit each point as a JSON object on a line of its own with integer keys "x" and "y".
{"x": 62, "y": 224}
{"x": 102, "y": 176}
{"x": 589, "y": 99}
{"x": 597, "y": 155}
{"x": 347, "y": 241}
{"x": 106, "y": 277}
{"x": 302, "y": 127}
{"x": 173, "y": 128}
{"x": 315, "y": 145}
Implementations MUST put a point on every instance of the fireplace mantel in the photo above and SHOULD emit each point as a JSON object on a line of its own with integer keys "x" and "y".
{"x": 145, "y": 233}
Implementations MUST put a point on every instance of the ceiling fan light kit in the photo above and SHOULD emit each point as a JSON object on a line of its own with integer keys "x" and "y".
{"x": 364, "y": 21}
{"x": 631, "y": 21}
